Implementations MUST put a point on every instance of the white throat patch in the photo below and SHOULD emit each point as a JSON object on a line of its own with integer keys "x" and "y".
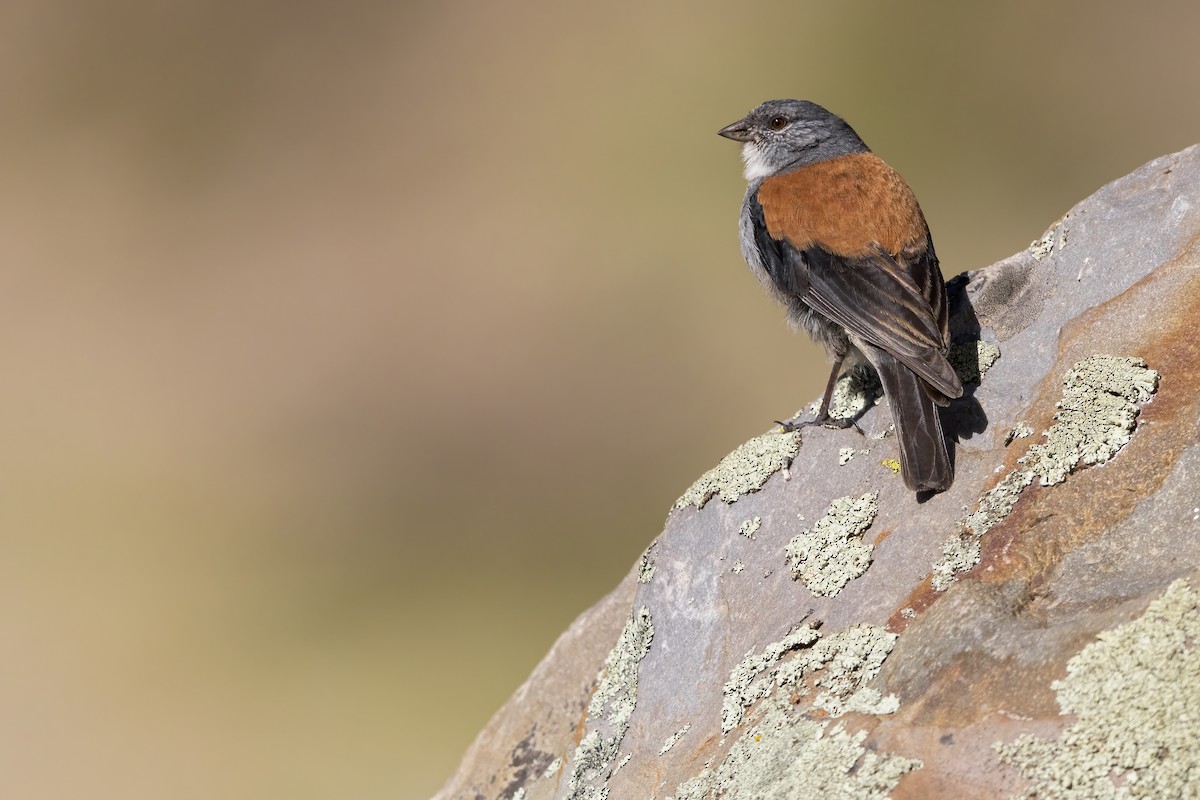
{"x": 756, "y": 164}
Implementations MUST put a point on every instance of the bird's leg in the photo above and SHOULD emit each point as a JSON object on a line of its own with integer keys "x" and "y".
{"x": 822, "y": 417}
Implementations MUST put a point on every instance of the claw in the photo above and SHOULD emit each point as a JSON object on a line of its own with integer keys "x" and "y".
{"x": 839, "y": 423}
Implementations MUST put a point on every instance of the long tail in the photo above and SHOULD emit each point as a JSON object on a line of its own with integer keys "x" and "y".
{"x": 924, "y": 461}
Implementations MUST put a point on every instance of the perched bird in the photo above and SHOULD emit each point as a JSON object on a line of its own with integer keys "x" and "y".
{"x": 836, "y": 235}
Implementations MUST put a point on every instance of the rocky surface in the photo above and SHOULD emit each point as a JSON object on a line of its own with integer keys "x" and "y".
{"x": 806, "y": 627}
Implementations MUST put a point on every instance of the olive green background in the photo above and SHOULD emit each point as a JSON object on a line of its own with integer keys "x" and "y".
{"x": 352, "y": 349}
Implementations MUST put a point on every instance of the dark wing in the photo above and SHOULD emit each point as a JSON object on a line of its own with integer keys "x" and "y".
{"x": 790, "y": 277}
{"x": 898, "y": 305}
{"x": 895, "y": 303}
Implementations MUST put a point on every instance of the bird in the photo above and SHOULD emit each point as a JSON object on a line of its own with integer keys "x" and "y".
{"x": 837, "y": 236}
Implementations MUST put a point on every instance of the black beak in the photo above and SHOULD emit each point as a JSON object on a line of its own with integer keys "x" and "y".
{"x": 738, "y": 131}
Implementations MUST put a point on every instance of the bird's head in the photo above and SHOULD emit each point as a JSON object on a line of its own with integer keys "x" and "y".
{"x": 782, "y": 135}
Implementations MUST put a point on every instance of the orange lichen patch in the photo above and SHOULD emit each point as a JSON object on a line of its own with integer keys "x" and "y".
{"x": 958, "y": 763}
{"x": 883, "y": 535}
{"x": 922, "y": 784}
{"x": 973, "y": 685}
{"x": 846, "y": 205}
{"x": 581, "y": 723}
{"x": 918, "y": 600}
{"x": 1002, "y": 556}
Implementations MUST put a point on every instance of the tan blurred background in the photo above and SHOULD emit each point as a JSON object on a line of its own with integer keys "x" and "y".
{"x": 352, "y": 349}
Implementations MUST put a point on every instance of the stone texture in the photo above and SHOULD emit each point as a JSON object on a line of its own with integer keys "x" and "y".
{"x": 1059, "y": 613}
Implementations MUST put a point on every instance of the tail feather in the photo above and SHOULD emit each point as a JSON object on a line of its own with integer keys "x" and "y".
{"x": 924, "y": 460}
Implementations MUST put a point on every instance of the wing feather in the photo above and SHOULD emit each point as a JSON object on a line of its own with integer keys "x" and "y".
{"x": 879, "y": 298}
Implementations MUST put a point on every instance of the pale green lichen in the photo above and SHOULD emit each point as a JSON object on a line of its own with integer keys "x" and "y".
{"x": 747, "y": 682}
{"x": 1057, "y": 235}
{"x": 864, "y": 701}
{"x": 1135, "y": 696}
{"x": 646, "y": 565}
{"x": 1022, "y": 430}
{"x": 784, "y": 755}
{"x": 743, "y": 471}
{"x": 738, "y": 566}
{"x": 673, "y": 739}
{"x": 854, "y": 393}
{"x": 616, "y": 694}
{"x": 830, "y": 554}
{"x": 845, "y": 454}
{"x": 553, "y": 769}
{"x": 750, "y": 527}
{"x": 847, "y": 661}
{"x": 788, "y": 757}
{"x": 972, "y": 360}
{"x": 997, "y": 502}
{"x": 959, "y": 554}
{"x": 610, "y": 708}
{"x": 1096, "y": 418}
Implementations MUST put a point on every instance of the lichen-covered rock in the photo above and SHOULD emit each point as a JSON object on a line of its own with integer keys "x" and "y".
{"x": 744, "y": 470}
{"x": 831, "y": 553}
{"x": 609, "y": 710}
{"x": 1135, "y": 696}
{"x": 1030, "y": 632}
{"x": 1097, "y": 414}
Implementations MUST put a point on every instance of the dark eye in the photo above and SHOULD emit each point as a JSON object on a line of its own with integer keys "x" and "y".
{"x": 778, "y": 123}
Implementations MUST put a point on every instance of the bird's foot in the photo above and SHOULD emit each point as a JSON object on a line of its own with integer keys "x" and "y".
{"x": 824, "y": 421}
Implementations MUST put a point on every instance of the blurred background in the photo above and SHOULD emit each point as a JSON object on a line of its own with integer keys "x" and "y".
{"x": 350, "y": 350}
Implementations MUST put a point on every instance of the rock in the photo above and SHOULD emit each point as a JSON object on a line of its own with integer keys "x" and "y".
{"x": 1034, "y": 628}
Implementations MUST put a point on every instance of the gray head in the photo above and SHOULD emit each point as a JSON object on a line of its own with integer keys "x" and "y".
{"x": 782, "y": 135}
